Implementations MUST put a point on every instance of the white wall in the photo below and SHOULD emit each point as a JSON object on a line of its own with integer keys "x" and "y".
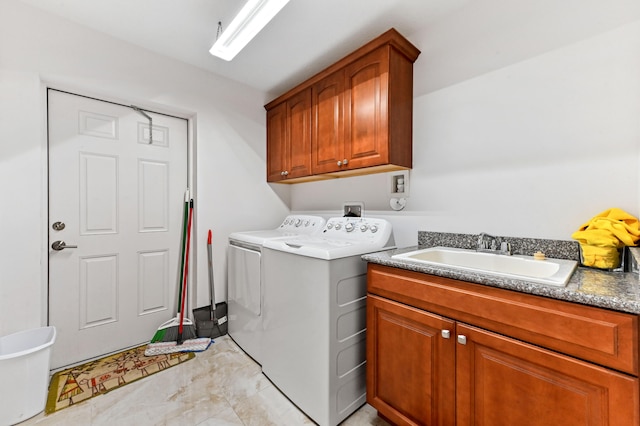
{"x": 39, "y": 50}
{"x": 534, "y": 148}
{"x": 530, "y": 146}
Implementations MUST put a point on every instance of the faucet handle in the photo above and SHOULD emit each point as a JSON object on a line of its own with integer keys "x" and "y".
{"x": 505, "y": 247}
{"x": 484, "y": 241}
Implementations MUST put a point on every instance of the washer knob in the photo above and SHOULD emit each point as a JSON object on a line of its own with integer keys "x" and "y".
{"x": 349, "y": 227}
{"x": 298, "y": 222}
{"x": 306, "y": 223}
{"x": 329, "y": 225}
{"x": 338, "y": 226}
{"x": 364, "y": 227}
{"x": 374, "y": 228}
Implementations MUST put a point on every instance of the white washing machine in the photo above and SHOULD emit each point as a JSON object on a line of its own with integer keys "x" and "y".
{"x": 315, "y": 289}
{"x": 245, "y": 286}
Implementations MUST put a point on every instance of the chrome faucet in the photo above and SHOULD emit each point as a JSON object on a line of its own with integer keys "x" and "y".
{"x": 489, "y": 244}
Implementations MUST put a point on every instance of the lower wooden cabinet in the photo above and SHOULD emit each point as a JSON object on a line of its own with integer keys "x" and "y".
{"x": 424, "y": 368}
{"x": 410, "y": 366}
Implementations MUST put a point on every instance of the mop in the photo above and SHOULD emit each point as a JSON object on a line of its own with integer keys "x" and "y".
{"x": 185, "y": 340}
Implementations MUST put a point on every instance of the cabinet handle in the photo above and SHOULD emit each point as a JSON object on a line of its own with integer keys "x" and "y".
{"x": 446, "y": 334}
{"x": 462, "y": 339}
{"x": 339, "y": 163}
{"x": 285, "y": 173}
{"x": 345, "y": 162}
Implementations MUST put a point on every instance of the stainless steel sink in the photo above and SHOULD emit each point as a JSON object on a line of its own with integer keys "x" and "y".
{"x": 556, "y": 272}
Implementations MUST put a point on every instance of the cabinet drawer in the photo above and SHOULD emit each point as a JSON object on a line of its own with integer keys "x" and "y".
{"x": 598, "y": 335}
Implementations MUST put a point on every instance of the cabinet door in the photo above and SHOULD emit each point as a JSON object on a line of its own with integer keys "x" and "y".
{"x": 289, "y": 138}
{"x": 410, "y": 364}
{"x": 276, "y": 142}
{"x": 327, "y": 140}
{"x": 366, "y": 102}
{"x": 501, "y": 381}
{"x": 299, "y": 134}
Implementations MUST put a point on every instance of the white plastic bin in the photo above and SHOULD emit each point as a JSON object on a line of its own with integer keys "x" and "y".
{"x": 24, "y": 373}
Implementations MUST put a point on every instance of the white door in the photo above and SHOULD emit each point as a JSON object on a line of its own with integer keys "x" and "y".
{"x": 120, "y": 200}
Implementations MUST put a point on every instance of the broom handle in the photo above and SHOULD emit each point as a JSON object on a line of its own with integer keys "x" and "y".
{"x": 186, "y": 269}
{"x": 185, "y": 215}
{"x": 212, "y": 295}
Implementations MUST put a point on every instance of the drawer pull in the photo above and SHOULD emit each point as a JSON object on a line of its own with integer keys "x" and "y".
{"x": 462, "y": 339}
{"x": 446, "y": 334}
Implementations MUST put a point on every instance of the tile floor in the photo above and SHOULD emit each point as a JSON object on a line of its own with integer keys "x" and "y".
{"x": 221, "y": 386}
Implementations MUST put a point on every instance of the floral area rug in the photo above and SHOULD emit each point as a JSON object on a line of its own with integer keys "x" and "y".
{"x": 85, "y": 381}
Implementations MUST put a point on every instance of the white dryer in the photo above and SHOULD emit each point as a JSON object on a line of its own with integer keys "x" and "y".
{"x": 315, "y": 290}
{"x": 244, "y": 286}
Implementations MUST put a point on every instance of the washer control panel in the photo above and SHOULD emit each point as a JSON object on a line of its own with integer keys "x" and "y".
{"x": 302, "y": 224}
{"x": 357, "y": 229}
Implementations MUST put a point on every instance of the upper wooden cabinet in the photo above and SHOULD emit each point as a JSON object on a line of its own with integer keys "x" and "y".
{"x": 360, "y": 112}
{"x": 327, "y": 146}
{"x": 289, "y": 138}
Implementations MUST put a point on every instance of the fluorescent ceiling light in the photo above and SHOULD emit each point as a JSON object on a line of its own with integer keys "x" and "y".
{"x": 250, "y": 20}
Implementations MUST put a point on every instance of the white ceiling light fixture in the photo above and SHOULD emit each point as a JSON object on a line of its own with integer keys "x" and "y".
{"x": 250, "y": 20}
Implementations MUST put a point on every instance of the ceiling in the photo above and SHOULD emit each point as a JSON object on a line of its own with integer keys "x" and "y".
{"x": 307, "y": 35}
{"x": 459, "y": 39}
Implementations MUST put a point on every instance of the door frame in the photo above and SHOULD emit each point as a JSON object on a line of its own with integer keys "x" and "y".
{"x": 191, "y": 180}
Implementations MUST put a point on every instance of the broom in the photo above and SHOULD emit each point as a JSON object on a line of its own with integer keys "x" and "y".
{"x": 179, "y": 330}
{"x": 181, "y": 337}
{"x": 168, "y": 331}
{"x": 188, "y": 332}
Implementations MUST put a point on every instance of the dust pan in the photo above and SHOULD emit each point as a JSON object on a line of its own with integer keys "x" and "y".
{"x": 211, "y": 321}
{"x": 207, "y": 327}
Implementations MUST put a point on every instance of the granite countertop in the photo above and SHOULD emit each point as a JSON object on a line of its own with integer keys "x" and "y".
{"x": 618, "y": 291}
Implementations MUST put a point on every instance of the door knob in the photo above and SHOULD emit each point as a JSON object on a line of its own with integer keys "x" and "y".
{"x": 61, "y": 245}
